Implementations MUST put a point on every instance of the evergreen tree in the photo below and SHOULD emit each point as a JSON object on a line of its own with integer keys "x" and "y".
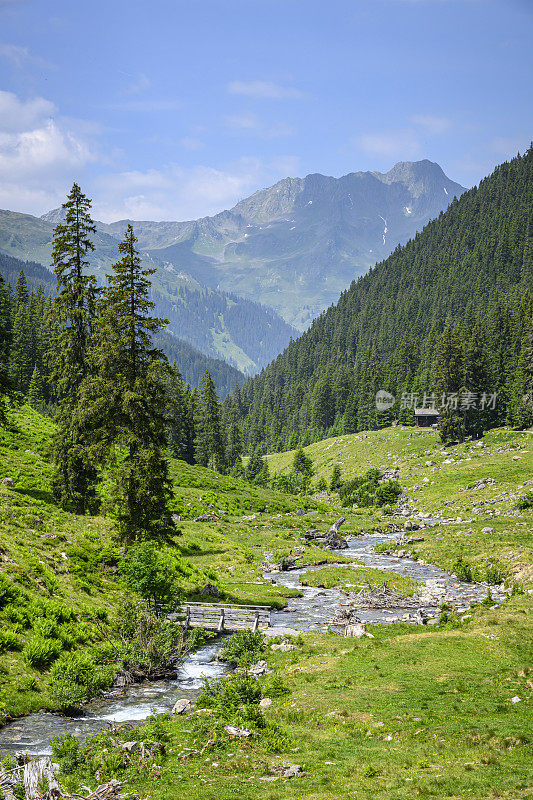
{"x": 35, "y": 391}
{"x": 302, "y": 465}
{"x": 477, "y": 382}
{"x": 73, "y": 319}
{"x": 6, "y": 386}
{"x": 210, "y": 441}
{"x": 233, "y": 434}
{"x": 448, "y": 386}
{"x": 126, "y": 399}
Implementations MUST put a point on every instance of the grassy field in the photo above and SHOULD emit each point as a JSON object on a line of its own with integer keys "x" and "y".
{"x": 413, "y": 712}
{"x": 358, "y": 577}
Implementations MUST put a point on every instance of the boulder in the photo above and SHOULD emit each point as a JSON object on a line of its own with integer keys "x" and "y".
{"x": 265, "y": 703}
{"x": 210, "y": 591}
{"x": 236, "y": 731}
{"x": 8, "y": 483}
{"x": 258, "y": 669}
{"x": 182, "y": 706}
{"x": 355, "y": 630}
{"x": 130, "y": 747}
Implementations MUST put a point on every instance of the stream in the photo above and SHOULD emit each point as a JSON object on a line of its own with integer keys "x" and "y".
{"x": 315, "y": 609}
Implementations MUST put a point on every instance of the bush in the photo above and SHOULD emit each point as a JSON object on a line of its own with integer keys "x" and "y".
{"x": 321, "y": 485}
{"x": 145, "y": 643}
{"x": 153, "y": 575}
{"x": 67, "y": 752}
{"x": 243, "y": 649}
{"x": 494, "y": 574}
{"x": 76, "y": 677}
{"x": 226, "y": 695}
{"x": 8, "y": 591}
{"x": 9, "y": 641}
{"x": 39, "y": 652}
{"x": 462, "y": 570}
{"x": 526, "y": 501}
{"x": 388, "y": 493}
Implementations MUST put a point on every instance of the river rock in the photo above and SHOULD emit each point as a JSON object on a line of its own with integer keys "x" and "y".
{"x": 269, "y": 633}
{"x": 258, "y": 669}
{"x": 210, "y": 591}
{"x": 182, "y": 706}
{"x": 284, "y": 647}
{"x": 355, "y": 630}
{"x": 236, "y": 731}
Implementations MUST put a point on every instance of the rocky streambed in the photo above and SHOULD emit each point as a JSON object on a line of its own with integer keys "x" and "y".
{"x": 314, "y": 610}
{"x": 317, "y": 608}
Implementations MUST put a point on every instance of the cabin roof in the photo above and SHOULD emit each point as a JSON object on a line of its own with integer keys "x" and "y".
{"x": 426, "y": 412}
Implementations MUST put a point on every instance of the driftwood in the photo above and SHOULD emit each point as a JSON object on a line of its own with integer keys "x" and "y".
{"x": 380, "y": 597}
{"x": 332, "y": 539}
{"x": 38, "y": 778}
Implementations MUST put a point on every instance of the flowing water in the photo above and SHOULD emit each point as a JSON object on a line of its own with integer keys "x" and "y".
{"x": 315, "y": 609}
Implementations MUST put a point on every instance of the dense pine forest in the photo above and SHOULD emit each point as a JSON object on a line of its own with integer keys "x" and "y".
{"x": 448, "y": 312}
{"x": 30, "y": 287}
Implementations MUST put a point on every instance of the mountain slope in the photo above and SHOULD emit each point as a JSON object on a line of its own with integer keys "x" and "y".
{"x": 191, "y": 362}
{"x": 242, "y": 332}
{"x": 293, "y": 247}
{"x": 474, "y": 262}
{"x": 296, "y": 245}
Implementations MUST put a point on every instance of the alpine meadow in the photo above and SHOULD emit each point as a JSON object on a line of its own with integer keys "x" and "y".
{"x": 266, "y": 441}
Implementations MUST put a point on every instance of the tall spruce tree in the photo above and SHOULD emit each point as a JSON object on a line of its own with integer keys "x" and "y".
{"x": 210, "y": 451}
{"x": 126, "y": 399}
{"x": 73, "y": 318}
{"x": 5, "y": 341}
{"x": 448, "y": 386}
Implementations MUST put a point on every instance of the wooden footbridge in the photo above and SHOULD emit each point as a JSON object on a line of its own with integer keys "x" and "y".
{"x": 215, "y": 617}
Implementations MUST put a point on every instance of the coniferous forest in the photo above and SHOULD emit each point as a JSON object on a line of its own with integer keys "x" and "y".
{"x": 450, "y": 309}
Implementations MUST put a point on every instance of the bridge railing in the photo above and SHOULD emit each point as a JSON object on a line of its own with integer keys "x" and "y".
{"x": 214, "y": 616}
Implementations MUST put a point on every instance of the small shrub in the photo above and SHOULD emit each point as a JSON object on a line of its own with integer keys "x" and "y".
{"x": 8, "y": 591}
{"x": 27, "y": 684}
{"x": 526, "y": 501}
{"x": 462, "y": 570}
{"x": 387, "y": 493}
{"x": 67, "y": 752}
{"x": 75, "y": 678}
{"x": 39, "y": 653}
{"x": 494, "y": 574}
{"x": 226, "y": 695}
{"x": 243, "y": 649}
{"x": 274, "y": 687}
{"x": 9, "y": 641}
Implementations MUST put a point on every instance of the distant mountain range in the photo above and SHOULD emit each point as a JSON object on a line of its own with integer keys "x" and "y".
{"x": 188, "y": 359}
{"x": 238, "y": 284}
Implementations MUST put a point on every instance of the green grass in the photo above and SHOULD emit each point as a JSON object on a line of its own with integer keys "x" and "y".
{"x": 358, "y": 577}
{"x": 414, "y": 712}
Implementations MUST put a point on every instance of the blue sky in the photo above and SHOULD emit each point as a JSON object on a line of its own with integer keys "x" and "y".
{"x": 172, "y": 110}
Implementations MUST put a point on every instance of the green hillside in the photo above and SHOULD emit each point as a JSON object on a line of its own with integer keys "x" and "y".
{"x": 470, "y": 269}
{"x": 412, "y": 711}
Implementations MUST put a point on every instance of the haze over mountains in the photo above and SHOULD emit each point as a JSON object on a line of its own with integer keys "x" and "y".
{"x": 238, "y": 284}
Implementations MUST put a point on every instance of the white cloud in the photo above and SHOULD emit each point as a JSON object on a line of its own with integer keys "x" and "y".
{"x": 21, "y": 56}
{"x": 39, "y": 156}
{"x": 402, "y": 144}
{"x": 191, "y": 143}
{"x": 19, "y": 115}
{"x": 248, "y": 121}
{"x": 140, "y": 84}
{"x": 263, "y": 90}
{"x": 434, "y": 126}
{"x": 177, "y": 193}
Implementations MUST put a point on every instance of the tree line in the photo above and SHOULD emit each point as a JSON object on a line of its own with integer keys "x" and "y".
{"x": 450, "y": 310}
{"x": 87, "y": 356}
